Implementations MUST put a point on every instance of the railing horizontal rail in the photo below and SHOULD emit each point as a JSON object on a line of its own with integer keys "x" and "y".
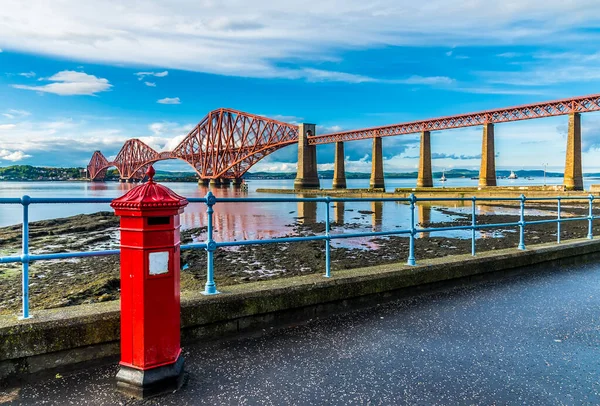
{"x": 210, "y": 245}
{"x": 73, "y": 200}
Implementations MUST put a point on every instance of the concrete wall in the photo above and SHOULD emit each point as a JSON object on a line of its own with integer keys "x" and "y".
{"x": 59, "y": 338}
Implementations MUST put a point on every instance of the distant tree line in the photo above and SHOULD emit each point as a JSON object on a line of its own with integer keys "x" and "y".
{"x": 30, "y": 173}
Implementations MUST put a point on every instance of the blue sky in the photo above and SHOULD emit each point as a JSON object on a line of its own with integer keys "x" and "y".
{"x": 76, "y": 76}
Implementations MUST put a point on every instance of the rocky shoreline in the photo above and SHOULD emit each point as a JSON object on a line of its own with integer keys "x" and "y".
{"x": 71, "y": 282}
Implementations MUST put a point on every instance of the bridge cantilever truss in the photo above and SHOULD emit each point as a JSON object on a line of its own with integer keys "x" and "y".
{"x": 225, "y": 144}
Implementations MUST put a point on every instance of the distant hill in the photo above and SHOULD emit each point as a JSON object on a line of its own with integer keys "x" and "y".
{"x": 453, "y": 173}
{"x": 28, "y": 172}
{"x": 31, "y": 173}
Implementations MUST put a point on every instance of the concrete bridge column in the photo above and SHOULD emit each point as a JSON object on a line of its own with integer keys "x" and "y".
{"x": 225, "y": 182}
{"x": 339, "y": 170}
{"x": 215, "y": 182}
{"x": 425, "y": 179}
{"x": 377, "y": 180}
{"x": 573, "y": 179}
{"x": 204, "y": 182}
{"x": 306, "y": 176}
{"x": 487, "y": 173}
{"x": 237, "y": 182}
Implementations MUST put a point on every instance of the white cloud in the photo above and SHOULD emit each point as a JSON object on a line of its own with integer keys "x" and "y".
{"x": 508, "y": 55}
{"x": 13, "y": 113}
{"x": 424, "y": 80}
{"x": 319, "y": 75}
{"x": 7, "y": 126}
{"x": 169, "y": 100}
{"x": 142, "y": 75}
{"x": 69, "y": 83}
{"x": 236, "y": 38}
{"x": 59, "y": 141}
{"x": 150, "y": 84}
{"x": 29, "y": 74}
{"x": 167, "y": 135}
{"x": 12, "y": 156}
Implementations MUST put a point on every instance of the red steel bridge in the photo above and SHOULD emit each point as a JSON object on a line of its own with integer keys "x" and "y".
{"x": 226, "y": 143}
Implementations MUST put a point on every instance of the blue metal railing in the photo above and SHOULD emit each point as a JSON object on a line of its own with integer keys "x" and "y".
{"x": 210, "y": 245}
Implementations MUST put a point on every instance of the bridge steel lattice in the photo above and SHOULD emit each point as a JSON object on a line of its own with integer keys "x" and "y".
{"x": 225, "y": 144}
{"x": 562, "y": 107}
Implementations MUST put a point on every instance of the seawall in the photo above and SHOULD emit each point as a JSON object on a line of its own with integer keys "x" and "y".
{"x": 440, "y": 192}
{"x": 61, "y": 338}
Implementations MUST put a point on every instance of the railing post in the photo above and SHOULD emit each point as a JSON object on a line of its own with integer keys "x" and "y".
{"x": 522, "y": 225}
{"x": 210, "y": 288}
{"x": 590, "y": 235}
{"x": 411, "y": 246}
{"x": 25, "y": 200}
{"x": 558, "y": 222}
{"x": 473, "y": 222}
{"x": 327, "y": 241}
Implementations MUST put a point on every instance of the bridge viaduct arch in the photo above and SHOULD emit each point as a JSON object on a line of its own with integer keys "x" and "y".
{"x": 227, "y": 143}
{"x": 223, "y": 146}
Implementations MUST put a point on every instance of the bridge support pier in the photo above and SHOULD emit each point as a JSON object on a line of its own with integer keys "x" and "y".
{"x": 306, "y": 176}
{"x": 215, "y": 182}
{"x": 377, "y": 180}
{"x": 425, "y": 178}
{"x": 225, "y": 182}
{"x": 339, "y": 170}
{"x": 487, "y": 173}
{"x": 573, "y": 179}
{"x": 203, "y": 182}
{"x": 237, "y": 182}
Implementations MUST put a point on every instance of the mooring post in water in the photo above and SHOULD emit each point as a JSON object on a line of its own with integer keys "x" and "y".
{"x": 411, "y": 244}
{"x": 25, "y": 257}
{"x": 151, "y": 361}
{"x": 590, "y": 235}
{"x": 522, "y": 224}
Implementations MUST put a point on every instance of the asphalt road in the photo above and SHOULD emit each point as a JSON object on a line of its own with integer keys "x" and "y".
{"x": 532, "y": 339}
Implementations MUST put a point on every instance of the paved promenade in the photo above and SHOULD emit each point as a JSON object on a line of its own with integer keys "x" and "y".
{"x": 533, "y": 339}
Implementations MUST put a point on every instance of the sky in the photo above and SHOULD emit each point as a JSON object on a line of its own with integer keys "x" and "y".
{"x": 79, "y": 76}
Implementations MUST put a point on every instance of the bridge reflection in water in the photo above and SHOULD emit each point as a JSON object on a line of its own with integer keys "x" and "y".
{"x": 236, "y": 222}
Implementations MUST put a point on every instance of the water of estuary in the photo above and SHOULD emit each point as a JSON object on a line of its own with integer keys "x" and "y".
{"x": 243, "y": 221}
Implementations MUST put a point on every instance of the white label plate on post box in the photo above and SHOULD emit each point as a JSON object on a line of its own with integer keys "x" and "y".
{"x": 159, "y": 262}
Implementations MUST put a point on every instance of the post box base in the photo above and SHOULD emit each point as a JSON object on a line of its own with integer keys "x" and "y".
{"x": 151, "y": 382}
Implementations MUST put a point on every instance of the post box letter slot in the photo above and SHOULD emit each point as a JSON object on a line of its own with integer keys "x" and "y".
{"x": 158, "y": 221}
{"x": 159, "y": 263}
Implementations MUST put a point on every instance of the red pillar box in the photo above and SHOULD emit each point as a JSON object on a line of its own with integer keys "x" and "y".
{"x": 151, "y": 361}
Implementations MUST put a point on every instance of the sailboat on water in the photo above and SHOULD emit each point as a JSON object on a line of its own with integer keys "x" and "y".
{"x": 513, "y": 175}
{"x": 443, "y": 178}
